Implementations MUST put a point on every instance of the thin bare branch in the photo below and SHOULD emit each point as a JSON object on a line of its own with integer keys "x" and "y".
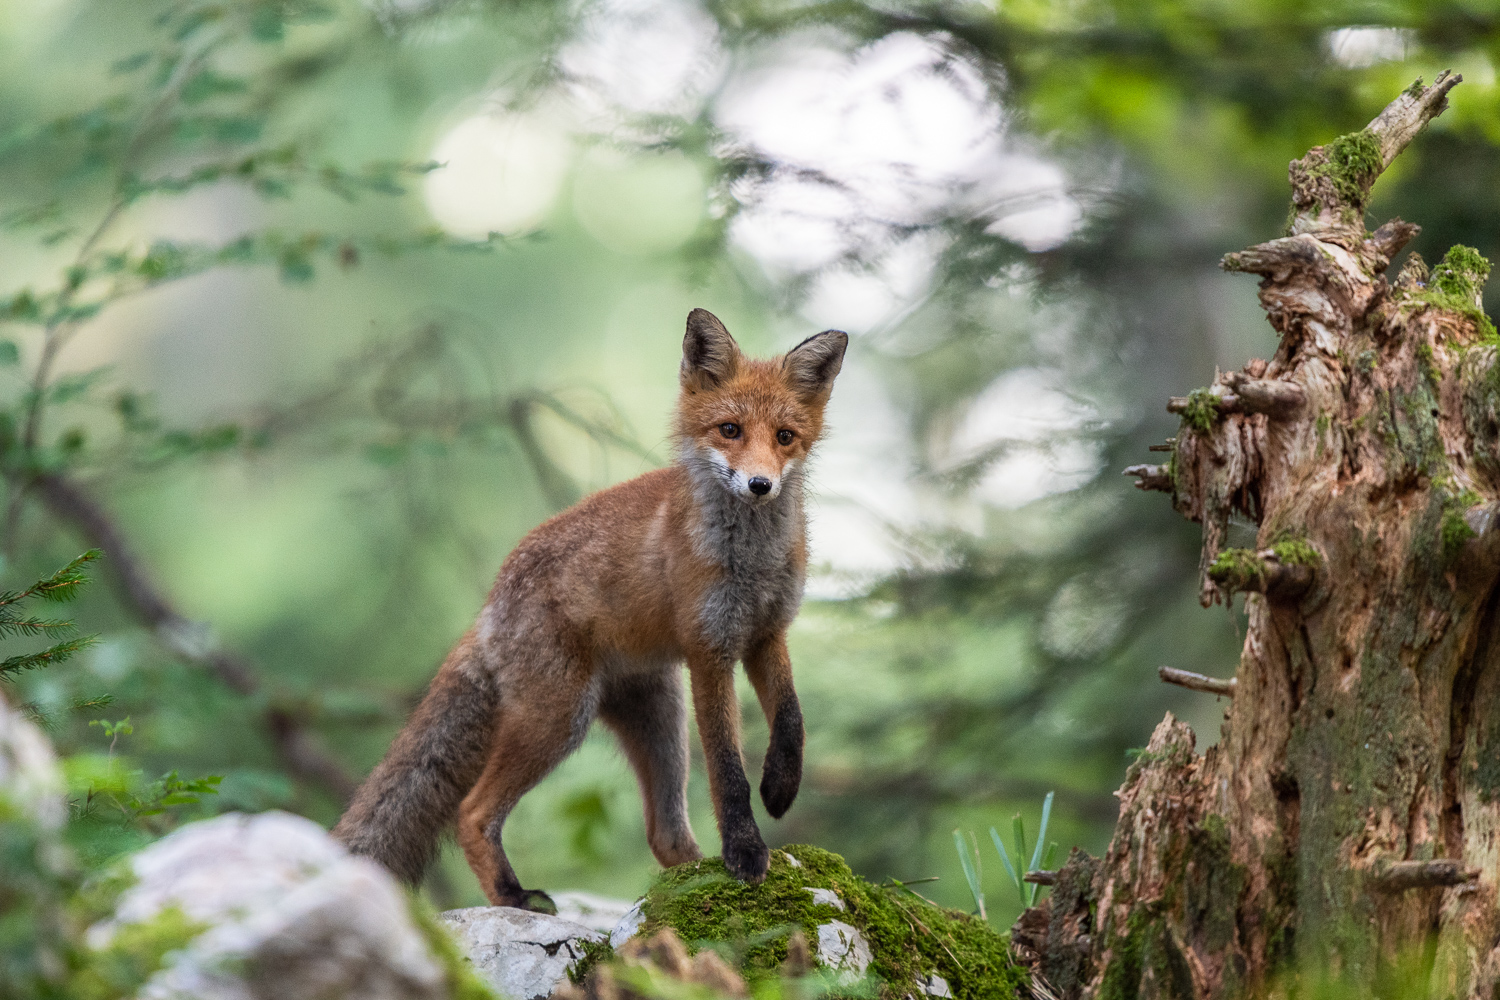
{"x": 1198, "y": 682}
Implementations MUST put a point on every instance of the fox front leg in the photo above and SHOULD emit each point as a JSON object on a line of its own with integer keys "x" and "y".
{"x": 769, "y": 667}
{"x": 717, "y": 710}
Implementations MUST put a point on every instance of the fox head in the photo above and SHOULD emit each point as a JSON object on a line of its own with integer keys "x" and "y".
{"x": 748, "y": 422}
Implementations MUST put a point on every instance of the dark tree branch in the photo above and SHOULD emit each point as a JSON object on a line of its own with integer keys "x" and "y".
{"x": 1399, "y": 876}
{"x": 1198, "y": 682}
{"x": 298, "y": 747}
{"x": 1040, "y": 877}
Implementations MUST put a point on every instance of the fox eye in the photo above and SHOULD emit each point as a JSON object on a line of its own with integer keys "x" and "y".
{"x": 784, "y": 437}
{"x": 730, "y": 430}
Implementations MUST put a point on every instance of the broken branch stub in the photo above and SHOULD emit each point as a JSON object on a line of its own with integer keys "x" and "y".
{"x": 1399, "y": 876}
{"x": 1198, "y": 682}
{"x": 1331, "y": 184}
{"x": 1151, "y": 477}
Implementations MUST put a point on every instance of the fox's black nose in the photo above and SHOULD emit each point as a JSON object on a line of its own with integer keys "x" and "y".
{"x": 760, "y": 485}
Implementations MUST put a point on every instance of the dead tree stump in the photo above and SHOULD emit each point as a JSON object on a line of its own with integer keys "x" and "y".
{"x": 1348, "y": 817}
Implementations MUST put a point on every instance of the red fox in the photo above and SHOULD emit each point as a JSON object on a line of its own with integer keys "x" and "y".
{"x": 593, "y": 615}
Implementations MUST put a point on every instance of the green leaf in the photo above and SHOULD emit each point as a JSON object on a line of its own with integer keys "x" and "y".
{"x": 9, "y": 353}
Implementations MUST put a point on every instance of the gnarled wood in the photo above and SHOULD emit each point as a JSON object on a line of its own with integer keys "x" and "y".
{"x": 1350, "y": 812}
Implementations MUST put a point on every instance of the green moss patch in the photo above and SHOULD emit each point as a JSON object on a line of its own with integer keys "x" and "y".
{"x": 1454, "y": 531}
{"x": 1351, "y": 163}
{"x": 1293, "y": 551}
{"x": 908, "y": 937}
{"x": 1202, "y": 410}
{"x": 1455, "y": 284}
{"x": 1237, "y": 569}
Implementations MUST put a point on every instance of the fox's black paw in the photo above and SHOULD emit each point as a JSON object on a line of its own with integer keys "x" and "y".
{"x": 747, "y": 858}
{"x": 779, "y": 782}
{"x": 534, "y": 900}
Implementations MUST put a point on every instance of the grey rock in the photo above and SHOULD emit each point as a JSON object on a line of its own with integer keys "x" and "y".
{"x": 597, "y": 913}
{"x": 842, "y": 949}
{"x": 629, "y": 925}
{"x": 287, "y": 914}
{"x": 826, "y": 897}
{"x": 934, "y": 985}
{"x": 524, "y": 955}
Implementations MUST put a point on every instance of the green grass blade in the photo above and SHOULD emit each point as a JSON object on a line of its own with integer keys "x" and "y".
{"x": 1041, "y": 834}
{"x": 970, "y": 875}
{"x": 1010, "y": 869}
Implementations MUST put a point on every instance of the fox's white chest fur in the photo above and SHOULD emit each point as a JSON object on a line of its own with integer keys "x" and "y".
{"x": 753, "y": 543}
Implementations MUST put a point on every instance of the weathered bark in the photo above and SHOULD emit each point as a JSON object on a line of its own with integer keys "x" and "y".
{"x": 1350, "y": 814}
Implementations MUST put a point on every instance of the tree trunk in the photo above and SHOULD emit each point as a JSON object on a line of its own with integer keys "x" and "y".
{"x": 1346, "y": 823}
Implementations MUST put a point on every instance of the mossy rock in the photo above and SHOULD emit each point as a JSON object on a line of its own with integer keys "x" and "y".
{"x": 909, "y": 938}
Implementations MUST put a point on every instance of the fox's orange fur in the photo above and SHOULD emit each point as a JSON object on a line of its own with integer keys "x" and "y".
{"x": 593, "y": 615}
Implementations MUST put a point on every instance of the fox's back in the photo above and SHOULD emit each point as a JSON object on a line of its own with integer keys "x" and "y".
{"x": 611, "y": 573}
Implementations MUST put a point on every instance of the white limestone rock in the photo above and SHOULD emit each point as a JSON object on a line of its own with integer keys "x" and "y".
{"x": 524, "y": 955}
{"x": 842, "y": 949}
{"x": 597, "y": 913}
{"x": 935, "y": 985}
{"x": 826, "y": 897}
{"x": 287, "y": 914}
{"x": 629, "y": 925}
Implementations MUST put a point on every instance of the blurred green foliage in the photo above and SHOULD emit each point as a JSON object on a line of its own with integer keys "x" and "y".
{"x": 317, "y": 422}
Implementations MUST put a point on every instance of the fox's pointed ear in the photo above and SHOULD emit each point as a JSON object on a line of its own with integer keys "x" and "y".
{"x": 709, "y": 354}
{"x": 812, "y": 364}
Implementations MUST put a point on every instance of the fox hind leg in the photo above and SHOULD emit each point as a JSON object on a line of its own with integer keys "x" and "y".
{"x": 647, "y": 714}
{"x": 535, "y": 733}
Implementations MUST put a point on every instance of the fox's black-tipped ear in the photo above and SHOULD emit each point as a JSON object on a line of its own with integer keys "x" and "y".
{"x": 709, "y": 353}
{"x": 812, "y": 364}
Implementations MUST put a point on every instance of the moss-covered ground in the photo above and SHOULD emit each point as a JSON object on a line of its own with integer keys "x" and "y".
{"x": 909, "y": 937}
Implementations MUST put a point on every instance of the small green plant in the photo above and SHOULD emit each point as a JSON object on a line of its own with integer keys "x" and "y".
{"x": 1041, "y": 859}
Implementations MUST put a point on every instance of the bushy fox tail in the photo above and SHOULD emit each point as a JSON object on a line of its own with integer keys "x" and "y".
{"x": 399, "y": 812}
